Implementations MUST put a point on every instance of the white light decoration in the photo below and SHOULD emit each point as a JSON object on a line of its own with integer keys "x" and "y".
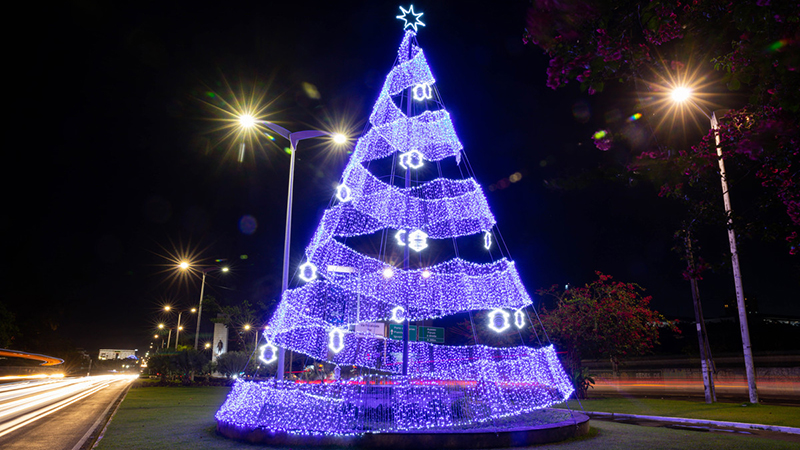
{"x": 344, "y": 193}
{"x": 412, "y": 21}
{"x": 336, "y": 340}
{"x": 519, "y": 318}
{"x": 418, "y": 240}
{"x": 412, "y": 159}
{"x": 502, "y": 318}
{"x": 314, "y": 319}
{"x": 269, "y": 353}
{"x": 422, "y": 91}
{"x": 398, "y": 314}
{"x": 308, "y": 272}
{"x": 400, "y": 236}
{"x": 487, "y": 240}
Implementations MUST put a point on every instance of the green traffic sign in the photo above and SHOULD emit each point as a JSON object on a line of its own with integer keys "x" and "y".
{"x": 433, "y": 335}
{"x": 396, "y": 332}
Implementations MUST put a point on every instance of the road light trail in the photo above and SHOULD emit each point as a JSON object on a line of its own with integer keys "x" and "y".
{"x": 37, "y": 404}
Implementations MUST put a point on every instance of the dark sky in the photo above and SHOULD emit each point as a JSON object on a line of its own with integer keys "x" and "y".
{"x": 109, "y": 124}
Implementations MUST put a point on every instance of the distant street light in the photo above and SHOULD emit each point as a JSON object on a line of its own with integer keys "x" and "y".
{"x": 248, "y": 121}
{"x": 683, "y": 94}
{"x": 178, "y": 327}
{"x": 184, "y": 265}
{"x": 169, "y": 335}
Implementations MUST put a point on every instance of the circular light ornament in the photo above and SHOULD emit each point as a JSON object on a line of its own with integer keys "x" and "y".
{"x": 400, "y": 236}
{"x": 519, "y": 318}
{"x": 398, "y": 314}
{"x": 422, "y": 91}
{"x": 344, "y": 193}
{"x": 308, "y": 272}
{"x": 487, "y": 240}
{"x": 498, "y": 320}
{"x": 412, "y": 159}
{"x": 418, "y": 240}
{"x": 269, "y": 353}
{"x": 336, "y": 340}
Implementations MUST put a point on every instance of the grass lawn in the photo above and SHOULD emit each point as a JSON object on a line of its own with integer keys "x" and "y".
{"x": 787, "y": 416}
{"x": 183, "y": 417}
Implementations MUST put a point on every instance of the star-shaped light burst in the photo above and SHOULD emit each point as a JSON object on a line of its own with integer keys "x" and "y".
{"x": 408, "y": 20}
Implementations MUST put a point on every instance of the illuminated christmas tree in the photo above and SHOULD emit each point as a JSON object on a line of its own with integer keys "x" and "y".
{"x": 401, "y": 385}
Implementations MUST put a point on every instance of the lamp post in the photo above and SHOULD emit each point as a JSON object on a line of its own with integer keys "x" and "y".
{"x": 178, "y": 327}
{"x": 186, "y": 266}
{"x": 169, "y": 335}
{"x": 683, "y": 94}
{"x": 248, "y": 121}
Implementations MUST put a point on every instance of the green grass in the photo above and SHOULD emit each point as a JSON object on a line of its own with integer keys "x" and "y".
{"x": 788, "y": 416}
{"x": 183, "y": 417}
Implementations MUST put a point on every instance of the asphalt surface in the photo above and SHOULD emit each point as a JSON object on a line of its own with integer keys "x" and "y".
{"x": 69, "y": 422}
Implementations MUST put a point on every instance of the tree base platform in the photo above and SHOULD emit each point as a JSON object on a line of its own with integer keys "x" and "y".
{"x": 486, "y": 436}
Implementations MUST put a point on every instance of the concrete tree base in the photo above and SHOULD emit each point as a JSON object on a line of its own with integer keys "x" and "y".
{"x": 485, "y": 437}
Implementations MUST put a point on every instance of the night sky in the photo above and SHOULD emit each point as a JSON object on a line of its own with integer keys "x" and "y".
{"x": 115, "y": 161}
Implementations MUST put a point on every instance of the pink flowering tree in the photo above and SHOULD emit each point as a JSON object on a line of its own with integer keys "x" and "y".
{"x": 603, "y": 319}
{"x": 752, "y": 45}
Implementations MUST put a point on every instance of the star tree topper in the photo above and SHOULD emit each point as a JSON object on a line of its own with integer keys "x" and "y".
{"x": 405, "y": 18}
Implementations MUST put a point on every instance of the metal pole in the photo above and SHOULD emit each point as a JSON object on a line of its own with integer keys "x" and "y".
{"x": 708, "y": 381}
{"x": 737, "y": 275}
{"x": 286, "y": 242}
{"x": 169, "y": 338}
{"x": 199, "y": 311}
{"x": 178, "y": 330}
{"x": 406, "y": 327}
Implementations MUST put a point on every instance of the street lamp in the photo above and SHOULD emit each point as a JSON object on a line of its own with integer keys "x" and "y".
{"x": 683, "y": 94}
{"x": 248, "y": 121}
{"x": 178, "y": 327}
{"x": 186, "y": 266}
{"x": 169, "y": 335}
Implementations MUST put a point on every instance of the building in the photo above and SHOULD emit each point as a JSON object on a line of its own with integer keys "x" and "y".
{"x": 115, "y": 354}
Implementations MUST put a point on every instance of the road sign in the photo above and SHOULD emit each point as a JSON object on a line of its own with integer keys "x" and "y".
{"x": 396, "y": 332}
{"x": 433, "y": 335}
{"x": 377, "y": 328}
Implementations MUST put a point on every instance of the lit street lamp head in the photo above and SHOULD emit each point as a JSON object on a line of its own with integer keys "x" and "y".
{"x": 247, "y": 121}
{"x": 681, "y": 94}
{"x": 183, "y": 265}
{"x": 339, "y": 138}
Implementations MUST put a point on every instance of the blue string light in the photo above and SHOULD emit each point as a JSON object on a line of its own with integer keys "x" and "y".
{"x": 446, "y": 386}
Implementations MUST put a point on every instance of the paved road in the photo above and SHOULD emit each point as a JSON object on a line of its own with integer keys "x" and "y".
{"x": 769, "y": 391}
{"x": 56, "y": 414}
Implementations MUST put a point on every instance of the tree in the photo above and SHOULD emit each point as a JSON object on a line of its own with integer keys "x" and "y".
{"x": 605, "y": 319}
{"x": 752, "y": 44}
{"x": 404, "y": 186}
{"x": 189, "y": 362}
{"x": 237, "y": 317}
{"x": 9, "y": 331}
{"x": 232, "y": 363}
{"x": 160, "y": 364}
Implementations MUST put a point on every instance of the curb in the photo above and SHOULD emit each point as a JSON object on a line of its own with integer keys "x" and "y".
{"x": 718, "y": 423}
{"x": 92, "y": 437}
